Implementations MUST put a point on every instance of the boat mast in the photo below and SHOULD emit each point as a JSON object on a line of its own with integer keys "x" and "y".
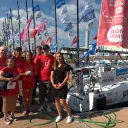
{"x": 78, "y": 32}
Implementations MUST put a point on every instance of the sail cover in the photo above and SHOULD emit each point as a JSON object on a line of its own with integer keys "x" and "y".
{"x": 113, "y": 24}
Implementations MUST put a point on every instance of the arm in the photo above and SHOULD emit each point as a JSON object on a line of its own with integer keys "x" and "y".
{"x": 64, "y": 81}
{"x": 52, "y": 80}
{"x": 4, "y": 78}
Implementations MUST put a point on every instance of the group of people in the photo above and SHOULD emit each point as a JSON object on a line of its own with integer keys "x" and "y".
{"x": 51, "y": 72}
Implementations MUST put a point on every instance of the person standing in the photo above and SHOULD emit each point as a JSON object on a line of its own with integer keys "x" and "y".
{"x": 3, "y": 59}
{"x": 45, "y": 63}
{"x": 19, "y": 60}
{"x": 38, "y": 54}
{"x": 9, "y": 96}
{"x": 59, "y": 78}
{"x": 28, "y": 81}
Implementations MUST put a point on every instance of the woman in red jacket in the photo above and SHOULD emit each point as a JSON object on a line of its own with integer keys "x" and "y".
{"x": 9, "y": 96}
{"x": 28, "y": 81}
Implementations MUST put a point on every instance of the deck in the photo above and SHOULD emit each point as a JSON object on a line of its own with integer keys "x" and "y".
{"x": 23, "y": 121}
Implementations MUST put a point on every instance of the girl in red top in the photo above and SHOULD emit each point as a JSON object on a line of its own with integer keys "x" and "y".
{"x": 28, "y": 81}
{"x": 9, "y": 96}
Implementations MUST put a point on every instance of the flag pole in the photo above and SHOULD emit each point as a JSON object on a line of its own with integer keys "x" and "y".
{"x": 55, "y": 26}
{"x": 27, "y": 20}
{"x": 8, "y": 29}
{"x": 78, "y": 31}
{"x": 19, "y": 19}
{"x": 34, "y": 25}
{"x": 4, "y": 33}
{"x": 12, "y": 27}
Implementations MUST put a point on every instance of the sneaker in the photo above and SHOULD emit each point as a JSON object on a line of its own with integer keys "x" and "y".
{"x": 41, "y": 108}
{"x": 58, "y": 119}
{"x": 26, "y": 112}
{"x": 49, "y": 109}
{"x": 7, "y": 121}
{"x": 12, "y": 117}
{"x": 69, "y": 120}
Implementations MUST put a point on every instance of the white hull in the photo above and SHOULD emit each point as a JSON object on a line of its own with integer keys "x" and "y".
{"x": 115, "y": 94}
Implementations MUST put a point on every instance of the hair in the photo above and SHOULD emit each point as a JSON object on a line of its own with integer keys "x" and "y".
{"x": 19, "y": 49}
{"x": 9, "y": 59}
{"x": 39, "y": 47}
{"x": 31, "y": 59}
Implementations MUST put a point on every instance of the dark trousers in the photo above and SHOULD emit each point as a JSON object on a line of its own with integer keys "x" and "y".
{"x": 1, "y": 104}
{"x": 34, "y": 90}
{"x": 45, "y": 91}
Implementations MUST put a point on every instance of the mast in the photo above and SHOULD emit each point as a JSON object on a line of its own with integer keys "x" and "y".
{"x": 55, "y": 26}
{"x": 27, "y": 20}
{"x": 4, "y": 33}
{"x": 34, "y": 25}
{"x": 78, "y": 31}
{"x": 12, "y": 27}
{"x": 18, "y": 19}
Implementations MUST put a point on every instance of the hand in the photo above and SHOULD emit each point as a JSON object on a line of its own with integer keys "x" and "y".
{"x": 55, "y": 86}
{"x": 59, "y": 86}
{"x": 17, "y": 77}
{"x": 10, "y": 80}
{"x": 28, "y": 73}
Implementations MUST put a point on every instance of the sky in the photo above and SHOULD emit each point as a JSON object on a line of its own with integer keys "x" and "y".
{"x": 47, "y": 10}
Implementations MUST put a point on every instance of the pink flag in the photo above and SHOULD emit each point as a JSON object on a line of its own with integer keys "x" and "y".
{"x": 74, "y": 41}
{"x": 24, "y": 33}
{"x": 113, "y": 25}
{"x": 42, "y": 43}
{"x": 40, "y": 27}
{"x": 49, "y": 40}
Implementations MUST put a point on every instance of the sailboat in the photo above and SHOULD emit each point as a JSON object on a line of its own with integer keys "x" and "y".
{"x": 98, "y": 85}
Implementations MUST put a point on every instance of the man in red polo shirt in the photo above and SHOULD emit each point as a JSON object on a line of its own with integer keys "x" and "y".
{"x": 45, "y": 63}
{"x": 3, "y": 59}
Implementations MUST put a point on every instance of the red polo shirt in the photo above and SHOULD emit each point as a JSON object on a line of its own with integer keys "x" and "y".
{"x": 45, "y": 66}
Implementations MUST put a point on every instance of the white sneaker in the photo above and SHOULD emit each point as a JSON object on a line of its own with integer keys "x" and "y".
{"x": 58, "y": 119}
{"x": 69, "y": 119}
{"x": 41, "y": 108}
{"x": 49, "y": 109}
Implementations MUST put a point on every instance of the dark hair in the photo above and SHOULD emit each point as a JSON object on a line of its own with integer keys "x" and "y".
{"x": 31, "y": 60}
{"x": 39, "y": 47}
{"x": 46, "y": 47}
{"x": 19, "y": 49}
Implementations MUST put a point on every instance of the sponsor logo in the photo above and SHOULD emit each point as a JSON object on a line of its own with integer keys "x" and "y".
{"x": 115, "y": 33}
{"x": 118, "y": 10}
{"x": 125, "y": 93}
{"x": 108, "y": 101}
{"x": 107, "y": 79}
{"x": 122, "y": 71}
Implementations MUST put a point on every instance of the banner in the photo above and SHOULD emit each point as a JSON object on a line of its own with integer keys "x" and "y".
{"x": 40, "y": 27}
{"x": 113, "y": 23}
{"x": 24, "y": 33}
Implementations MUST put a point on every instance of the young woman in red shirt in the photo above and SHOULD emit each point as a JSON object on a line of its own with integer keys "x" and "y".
{"x": 10, "y": 95}
{"x": 28, "y": 81}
